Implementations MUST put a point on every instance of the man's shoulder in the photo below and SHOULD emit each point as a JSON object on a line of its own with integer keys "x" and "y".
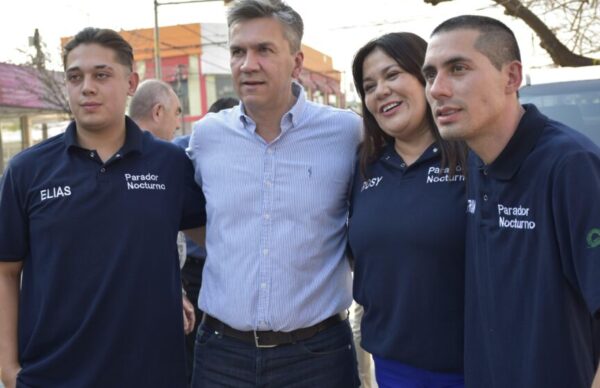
{"x": 332, "y": 118}
{"x": 215, "y": 126}
{"x": 31, "y": 163}
{"x": 155, "y": 145}
{"x": 561, "y": 154}
{"x": 44, "y": 151}
{"x": 563, "y": 141}
{"x": 182, "y": 141}
{"x": 331, "y": 111}
{"x": 225, "y": 117}
{"x": 166, "y": 155}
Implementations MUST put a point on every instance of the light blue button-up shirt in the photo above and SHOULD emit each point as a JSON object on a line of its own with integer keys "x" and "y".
{"x": 276, "y": 215}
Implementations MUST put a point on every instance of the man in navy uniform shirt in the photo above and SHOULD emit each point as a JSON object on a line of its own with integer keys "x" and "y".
{"x": 89, "y": 219}
{"x": 533, "y": 224}
{"x": 156, "y": 108}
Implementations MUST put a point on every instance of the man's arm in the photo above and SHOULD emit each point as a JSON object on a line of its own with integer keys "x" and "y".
{"x": 596, "y": 383}
{"x": 10, "y": 277}
{"x": 189, "y": 315}
{"x": 198, "y": 235}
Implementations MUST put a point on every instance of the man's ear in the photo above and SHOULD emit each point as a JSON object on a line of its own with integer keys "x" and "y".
{"x": 134, "y": 80}
{"x": 157, "y": 111}
{"x": 298, "y": 62}
{"x": 514, "y": 71}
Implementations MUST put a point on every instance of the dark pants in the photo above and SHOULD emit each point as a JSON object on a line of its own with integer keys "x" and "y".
{"x": 191, "y": 278}
{"x": 326, "y": 360}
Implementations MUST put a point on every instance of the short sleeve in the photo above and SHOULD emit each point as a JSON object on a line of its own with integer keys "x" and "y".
{"x": 14, "y": 225}
{"x": 576, "y": 209}
{"x": 194, "y": 203}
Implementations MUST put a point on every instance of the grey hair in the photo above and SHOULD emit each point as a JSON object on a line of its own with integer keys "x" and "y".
{"x": 291, "y": 21}
{"x": 149, "y": 93}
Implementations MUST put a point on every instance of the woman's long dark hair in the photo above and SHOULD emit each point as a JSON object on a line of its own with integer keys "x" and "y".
{"x": 408, "y": 50}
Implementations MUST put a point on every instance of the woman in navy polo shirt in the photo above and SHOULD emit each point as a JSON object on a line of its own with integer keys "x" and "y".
{"x": 407, "y": 223}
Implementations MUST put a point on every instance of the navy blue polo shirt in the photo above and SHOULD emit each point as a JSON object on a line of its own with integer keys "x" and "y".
{"x": 192, "y": 249}
{"x": 533, "y": 260}
{"x": 101, "y": 293}
{"x": 406, "y": 232}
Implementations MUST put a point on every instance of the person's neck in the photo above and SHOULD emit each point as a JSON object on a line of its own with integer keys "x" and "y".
{"x": 268, "y": 121}
{"x": 411, "y": 149}
{"x": 105, "y": 141}
{"x": 144, "y": 124}
{"x": 489, "y": 146}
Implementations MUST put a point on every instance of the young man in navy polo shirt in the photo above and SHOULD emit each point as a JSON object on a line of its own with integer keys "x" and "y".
{"x": 89, "y": 219}
{"x": 533, "y": 227}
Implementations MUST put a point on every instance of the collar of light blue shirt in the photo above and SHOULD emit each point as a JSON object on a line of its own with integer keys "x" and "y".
{"x": 289, "y": 120}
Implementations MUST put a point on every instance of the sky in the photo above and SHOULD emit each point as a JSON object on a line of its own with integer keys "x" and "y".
{"x": 336, "y": 27}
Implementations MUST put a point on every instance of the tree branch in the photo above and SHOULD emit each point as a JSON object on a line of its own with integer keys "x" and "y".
{"x": 560, "y": 54}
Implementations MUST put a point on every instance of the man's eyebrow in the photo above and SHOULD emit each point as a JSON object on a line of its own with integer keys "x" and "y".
{"x": 97, "y": 67}
{"x": 448, "y": 62}
{"x": 455, "y": 59}
{"x": 427, "y": 68}
{"x": 266, "y": 43}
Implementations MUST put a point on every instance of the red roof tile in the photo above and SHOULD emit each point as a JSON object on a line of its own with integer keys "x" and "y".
{"x": 21, "y": 88}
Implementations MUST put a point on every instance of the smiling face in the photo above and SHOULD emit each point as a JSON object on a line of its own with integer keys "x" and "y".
{"x": 97, "y": 87}
{"x": 394, "y": 97}
{"x": 468, "y": 95}
{"x": 262, "y": 64}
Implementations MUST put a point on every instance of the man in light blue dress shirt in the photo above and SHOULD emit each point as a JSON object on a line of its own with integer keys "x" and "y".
{"x": 276, "y": 172}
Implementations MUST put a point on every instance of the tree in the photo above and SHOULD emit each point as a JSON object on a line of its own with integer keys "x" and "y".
{"x": 51, "y": 87}
{"x": 576, "y": 22}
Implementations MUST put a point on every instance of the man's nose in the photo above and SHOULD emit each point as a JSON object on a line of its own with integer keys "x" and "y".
{"x": 250, "y": 62}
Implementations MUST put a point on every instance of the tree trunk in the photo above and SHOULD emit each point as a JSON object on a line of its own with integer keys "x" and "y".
{"x": 559, "y": 53}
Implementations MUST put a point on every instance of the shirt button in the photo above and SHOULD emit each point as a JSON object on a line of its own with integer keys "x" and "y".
{"x": 485, "y": 171}
{"x": 263, "y": 285}
{"x": 270, "y": 151}
{"x": 267, "y": 216}
{"x": 267, "y": 183}
{"x": 265, "y": 251}
{"x": 102, "y": 169}
{"x": 403, "y": 165}
{"x": 91, "y": 154}
{"x": 117, "y": 155}
{"x": 435, "y": 150}
{"x": 485, "y": 197}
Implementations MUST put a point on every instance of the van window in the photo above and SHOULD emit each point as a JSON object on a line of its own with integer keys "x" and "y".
{"x": 575, "y": 103}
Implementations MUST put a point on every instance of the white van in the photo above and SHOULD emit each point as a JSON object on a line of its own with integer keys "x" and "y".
{"x": 568, "y": 95}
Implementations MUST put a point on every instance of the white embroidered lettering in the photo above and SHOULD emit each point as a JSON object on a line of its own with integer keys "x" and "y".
{"x": 143, "y": 182}
{"x": 55, "y": 192}
{"x": 515, "y": 212}
{"x": 373, "y": 182}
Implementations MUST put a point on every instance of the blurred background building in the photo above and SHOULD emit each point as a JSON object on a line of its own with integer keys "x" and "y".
{"x": 194, "y": 59}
